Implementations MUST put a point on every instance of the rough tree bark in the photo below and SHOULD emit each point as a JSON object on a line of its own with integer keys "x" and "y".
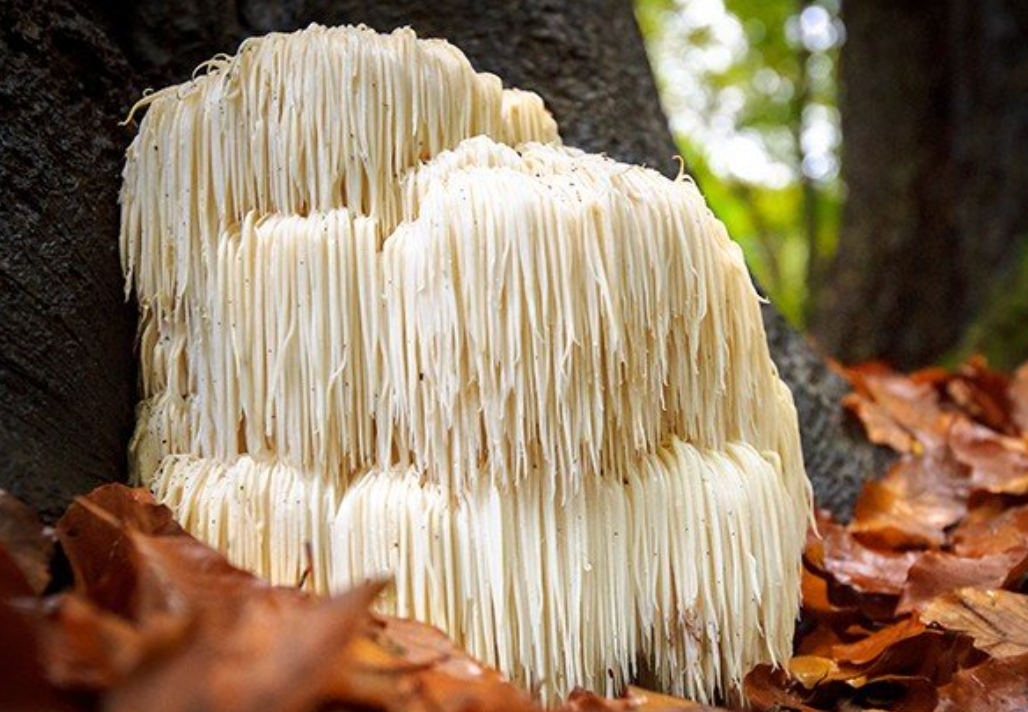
{"x": 587, "y": 61}
{"x": 935, "y": 115}
{"x": 67, "y": 375}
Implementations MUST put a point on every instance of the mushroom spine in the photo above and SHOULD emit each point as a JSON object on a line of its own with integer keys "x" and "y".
{"x": 386, "y": 313}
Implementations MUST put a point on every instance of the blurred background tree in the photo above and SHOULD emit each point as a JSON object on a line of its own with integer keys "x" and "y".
{"x": 870, "y": 156}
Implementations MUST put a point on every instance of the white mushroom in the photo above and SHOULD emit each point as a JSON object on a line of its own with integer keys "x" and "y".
{"x": 530, "y": 383}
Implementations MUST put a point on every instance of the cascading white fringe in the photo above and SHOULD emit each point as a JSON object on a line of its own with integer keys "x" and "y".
{"x": 560, "y": 312}
{"x": 686, "y": 565}
{"x": 313, "y": 120}
{"x": 529, "y": 382}
{"x": 264, "y": 516}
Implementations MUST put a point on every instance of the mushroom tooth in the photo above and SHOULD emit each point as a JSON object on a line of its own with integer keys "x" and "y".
{"x": 558, "y": 311}
{"x": 530, "y": 383}
{"x": 265, "y": 516}
{"x": 462, "y": 340}
{"x": 313, "y": 120}
{"x": 686, "y": 565}
{"x": 526, "y": 118}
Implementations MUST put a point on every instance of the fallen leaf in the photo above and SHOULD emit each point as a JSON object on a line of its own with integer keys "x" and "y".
{"x": 24, "y": 683}
{"x": 897, "y": 693}
{"x": 179, "y": 575}
{"x": 865, "y": 569}
{"x": 989, "y": 529}
{"x": 94, "y": 536}
{"x": 880, "y": 426}
{"x": 422, "y": 645}
{"x": 817, "y": 599}
{"x": 983, "y": 394}
{"x": 28, "y": 543}
{"x": 914, "y": 405}
{"x": 635, "y": 699}
{"x": 818, "y": 641}
{"x": 811, "y": 670}
{"x": 937, "y": 572}
{"x": 997, "y": 685}
{"x": 12, "y": 579}
{"x": 86, "y": 647}
{"x": 771, "y": 689}
{"x": 996, "y": 620}
{"x": 1018, "y": 396}
{"x": 649, "y": 701}
{"x": 866, "y": 651}
{"x": 275, "y": 656}
{"x": 913, "y": 504}
{"x": 998, "y": 463}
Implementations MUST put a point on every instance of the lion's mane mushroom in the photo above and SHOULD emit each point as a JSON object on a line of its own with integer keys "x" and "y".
{"x": 384, "y": 312}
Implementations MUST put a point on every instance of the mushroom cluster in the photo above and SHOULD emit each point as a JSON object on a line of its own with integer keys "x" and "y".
{"x": 390, "y": 325}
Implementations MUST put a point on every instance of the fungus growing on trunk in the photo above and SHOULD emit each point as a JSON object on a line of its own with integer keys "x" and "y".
{"x": 384, "y": 312}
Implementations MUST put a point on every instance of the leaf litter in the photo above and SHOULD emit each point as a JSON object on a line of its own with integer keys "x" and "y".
{"x": 916, "y": 605}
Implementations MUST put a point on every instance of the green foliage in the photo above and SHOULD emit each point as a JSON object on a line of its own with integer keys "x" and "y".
{"x": 751, "y": 93}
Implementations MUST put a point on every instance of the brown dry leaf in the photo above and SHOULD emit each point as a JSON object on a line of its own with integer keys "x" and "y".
{"x": 643, "y": 700}
{"x": 811, "y": 670}
{"x": 13, "y": 583}
{"x": 769, "y": 689}
{"x": 997, "y": 685}
{"x": 880, "y": 426}
{"x": 818, "y": 641}
{"x": 817, "y": 601}
{"x": 636, "y": 699}
{"x": 997, "y": 621}
{"x": 1017, "y": 394}
{"x": 913, "y": 504}
{"x": 897, "y": 693}
{"x": 983, "y": 394}
{"x": 865, "y": 569}
{"x": 866, "y": 651}
{"x": 178, "y": 575}
{"x": 28, "y": 543}
{"x": 998, "y": 463}
{"x": 89, "y": 648}
{"x": 94, "y": 536}
{"x": 990, "y": 529}
{"x": 938, "y": 572}
{"x": 379, "y": 678}
{"x": 24, "y": 683}
{"x": 275, "y": 655}
{"x": 914, "y": 405}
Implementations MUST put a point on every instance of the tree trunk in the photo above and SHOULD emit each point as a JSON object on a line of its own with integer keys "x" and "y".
{"x": 935, "y": 119}
{"x": 587, "y": 61}
{"x": 67, "y": 371}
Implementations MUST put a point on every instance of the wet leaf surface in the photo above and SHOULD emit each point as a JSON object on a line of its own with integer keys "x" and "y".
{"x": 997, "y": 685}
{"x": 916, "y": 604}
{"x": 997, "y": 621}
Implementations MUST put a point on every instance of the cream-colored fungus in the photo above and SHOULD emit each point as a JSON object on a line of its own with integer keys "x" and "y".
{"x": 389, "y": 325}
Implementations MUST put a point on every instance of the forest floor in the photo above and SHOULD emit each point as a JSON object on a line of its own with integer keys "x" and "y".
{"x": 914, "y": 606}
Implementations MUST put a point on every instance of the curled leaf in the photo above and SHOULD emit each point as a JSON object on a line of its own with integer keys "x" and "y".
{"x": 913, "y": 504}
{"x": 998, "y": 463}
{"x": 996, "y": 620}
{"x": 936, "y": 573}
{"x": 990, "y": 529}
{"x": 865, "y": 569}
{"x": 997, "y": 685}
{"x": 27, "y": 542}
